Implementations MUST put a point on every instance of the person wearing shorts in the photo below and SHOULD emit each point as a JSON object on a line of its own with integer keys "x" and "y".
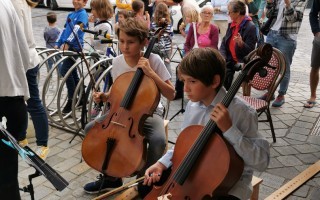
{"x": 315, "y": 59}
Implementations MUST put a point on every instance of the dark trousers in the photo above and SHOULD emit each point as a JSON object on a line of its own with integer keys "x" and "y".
{"x": 14, "y": 109}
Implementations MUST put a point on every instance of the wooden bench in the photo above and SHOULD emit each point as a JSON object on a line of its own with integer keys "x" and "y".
{"x": 256, "y": 181}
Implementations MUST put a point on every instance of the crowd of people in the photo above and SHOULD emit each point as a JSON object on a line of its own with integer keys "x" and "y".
{"x": 218, "y": 36}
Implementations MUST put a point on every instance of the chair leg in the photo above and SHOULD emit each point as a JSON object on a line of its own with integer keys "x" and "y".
{"x": 271, "y": 124}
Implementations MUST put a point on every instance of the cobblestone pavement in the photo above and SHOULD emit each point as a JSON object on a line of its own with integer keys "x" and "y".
{"x": 297, "y": 146}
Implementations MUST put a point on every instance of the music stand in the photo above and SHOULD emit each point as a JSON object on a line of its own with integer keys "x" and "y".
{"x": 33, "y": 160}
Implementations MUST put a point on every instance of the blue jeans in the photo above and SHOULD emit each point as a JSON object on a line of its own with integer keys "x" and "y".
{"x": 36, "y": 109}
{"x": 51, "y": 61}
{"x": 287, "y": 46}
{"x": 72, "y": 80}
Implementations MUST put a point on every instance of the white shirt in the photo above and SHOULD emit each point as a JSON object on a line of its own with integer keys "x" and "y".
{"x": 120, "y": 66}
{"x": 24, "y": 12}
{"x": 14, "y": 55}
{"x": 243, "y": 136}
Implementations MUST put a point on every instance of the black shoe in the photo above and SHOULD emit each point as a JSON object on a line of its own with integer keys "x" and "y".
{"x": 102, "y": 184}
{"x": 68, "y": 107}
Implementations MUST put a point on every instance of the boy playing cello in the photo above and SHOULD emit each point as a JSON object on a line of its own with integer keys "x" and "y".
{"x": 132, "y": 34}
{"x": 203, "y": 72}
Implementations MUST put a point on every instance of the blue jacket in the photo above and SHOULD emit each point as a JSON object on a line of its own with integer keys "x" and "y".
{"x": 314, "y": 16}
{"x": 248, "y": 33}
{"x": 67, "y": 36}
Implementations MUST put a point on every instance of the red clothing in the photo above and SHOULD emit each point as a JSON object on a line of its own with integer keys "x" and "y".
{"x": 232, "y": 44}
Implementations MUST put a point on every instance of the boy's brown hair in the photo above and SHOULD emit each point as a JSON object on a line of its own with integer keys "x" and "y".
{"x": 51, "y": 17}
{"x": 125, "y": 13}
{"x": 103, "y": 8}
{"x": 202, "y": 64}
{"x": 134, "y": 28}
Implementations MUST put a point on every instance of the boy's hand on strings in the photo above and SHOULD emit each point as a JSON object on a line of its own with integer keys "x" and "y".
{"x": 153, "y": 173}
{"x": 144, "y": 64}
{"x": 99, "y": 96}
{"x": 220, "y": 115}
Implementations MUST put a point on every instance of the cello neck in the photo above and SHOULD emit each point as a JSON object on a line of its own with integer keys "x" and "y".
{"x": 134, "y": 85}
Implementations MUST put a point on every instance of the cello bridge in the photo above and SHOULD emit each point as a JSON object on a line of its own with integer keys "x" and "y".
{"x": 116, "y": 123}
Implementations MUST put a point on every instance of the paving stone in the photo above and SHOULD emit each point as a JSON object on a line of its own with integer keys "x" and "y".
{"x": 314, "y": 194}
{"x": 306, "y": 148}
{"x": 299, "y": 130}
{"x": 298, "y": 137}
{"x": 307, "y": 158}
{"x": 274, "y": 163}
{"x": 66, "y": 164}
{"x": 285, "y": 172}
{"x": 80, "y": 168}
{"x": 289, "y": 160}
{"x": 302, "y": 124}
{"x": 286, "y": 150}
{"x": 292, "y": 142}
{"x": 307, "y": 119}
{"x": 271, "y": 180}
{"x": 68, "y": 153}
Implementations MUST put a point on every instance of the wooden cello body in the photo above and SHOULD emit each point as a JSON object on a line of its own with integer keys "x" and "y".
{"x": 220, "y": 161}
{"x": 205, "y": 165}
{"x": 116, "y": 146}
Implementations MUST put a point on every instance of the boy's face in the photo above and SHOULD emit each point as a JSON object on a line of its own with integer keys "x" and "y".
{"x": 197, "y": 91}
{"x": 78, "y": 4}
{"x": 130, "y": 46}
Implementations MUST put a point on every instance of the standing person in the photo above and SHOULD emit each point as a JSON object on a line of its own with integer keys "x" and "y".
{"x": 165, "y": 42}
{"x": 50, "y": 34}
{"x": 68, "y": 41}
{"x": 14, "y": 56}
{"x": 283, "y": 36}
{"x": 34, "y": 104}
{"x": 102, "y": 12}
{"x": 314, "y": 17}
{"x": 138, "y": 9}
{"x": 239, "y": 40}
{"x": 207, "y": 34}
{"x": 253, "y": 9}
{"x": 221, "y": 16}
{"x": 203, "y": 71}
{"x": 132, "y": 35}
{"x": 189, "y": 15}
{"x": 123, "y": 5}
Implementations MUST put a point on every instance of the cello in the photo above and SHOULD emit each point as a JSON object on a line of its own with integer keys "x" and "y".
{"x": 116, "y": 146}
{"x": 205, "y": 165}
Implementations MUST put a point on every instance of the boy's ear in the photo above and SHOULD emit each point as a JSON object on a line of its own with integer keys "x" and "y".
{"x": 144, "y": 42}
{"x": 216, "y": 81}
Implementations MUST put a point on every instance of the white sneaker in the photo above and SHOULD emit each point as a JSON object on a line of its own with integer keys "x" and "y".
{"x": 42, "y": 152}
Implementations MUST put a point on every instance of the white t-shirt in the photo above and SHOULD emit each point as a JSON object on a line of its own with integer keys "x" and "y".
{"x": 120, "y": 66}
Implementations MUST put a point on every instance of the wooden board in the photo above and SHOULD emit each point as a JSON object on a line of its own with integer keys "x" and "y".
{"x": 295, "y": 183}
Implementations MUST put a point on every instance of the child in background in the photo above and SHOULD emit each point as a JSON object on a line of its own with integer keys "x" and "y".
{"x": 138, "y": 9}
{"x": 122, "y": 15}
{"x": 132, "y": 34}
{"x": 51, "y": 33}
{"x": 189, "y": 15}
{"x": 102, "y": 12}
{"x": 68, "y": 41}
{"x": 165, "y": 42}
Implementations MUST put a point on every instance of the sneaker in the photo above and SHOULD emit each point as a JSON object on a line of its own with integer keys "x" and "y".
{"x": 102, "y": 184}
{"x": 279, "y": 101}
{"x": 264, "y": 97}
{"x": 68, "y": 107}
{"x": 23, "y": 143}
{"x": 42, "y": 152}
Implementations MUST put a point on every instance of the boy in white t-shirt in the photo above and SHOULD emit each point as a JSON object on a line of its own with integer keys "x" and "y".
{"x": 132, "y": 34}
